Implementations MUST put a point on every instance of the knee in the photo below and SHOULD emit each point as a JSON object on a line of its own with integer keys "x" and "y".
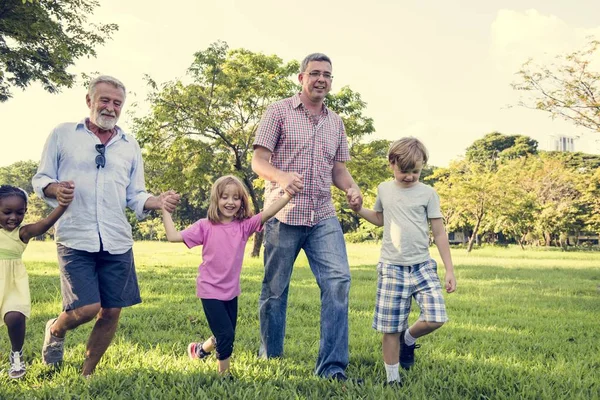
{"x": 86, "y": 313}
{"x": 14, "y": 318}
{"x": 434, "y": 325}
{"x": 109, "y": 314}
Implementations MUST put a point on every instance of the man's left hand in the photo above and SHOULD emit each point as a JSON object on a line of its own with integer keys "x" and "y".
{"x": 355, "y": 198}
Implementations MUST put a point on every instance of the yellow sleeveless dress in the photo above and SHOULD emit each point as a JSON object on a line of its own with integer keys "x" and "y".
{"x": 14, "y": 282}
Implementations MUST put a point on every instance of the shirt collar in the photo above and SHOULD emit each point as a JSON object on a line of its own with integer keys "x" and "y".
{"x": 84, "y": 124}
{"x": 296, "y": 102}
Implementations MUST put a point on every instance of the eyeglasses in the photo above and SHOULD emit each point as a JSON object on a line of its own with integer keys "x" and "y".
{"x": 317, "y": 74}
{"x": 100, "y": 159}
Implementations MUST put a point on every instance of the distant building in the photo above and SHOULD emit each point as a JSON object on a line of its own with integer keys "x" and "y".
{"x": 564, "y": 143}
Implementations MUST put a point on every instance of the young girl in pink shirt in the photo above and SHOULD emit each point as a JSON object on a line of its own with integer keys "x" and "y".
{"x": 223, "y": 235}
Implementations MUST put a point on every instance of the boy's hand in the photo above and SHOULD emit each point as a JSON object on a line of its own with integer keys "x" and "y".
{"x": 356, "y": 208}
{"x": 450, "y": 282}
{"x": 65, "y": 193}
{"x": 354, "y": 197}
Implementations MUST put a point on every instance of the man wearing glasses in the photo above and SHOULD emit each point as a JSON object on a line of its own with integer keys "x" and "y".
{"x": 94, "y": 241}
{"x": 301, "y": 147}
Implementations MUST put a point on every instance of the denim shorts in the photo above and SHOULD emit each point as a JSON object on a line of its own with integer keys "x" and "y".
{"x": 397, "y": 285}
{"x": 88, "y": 278}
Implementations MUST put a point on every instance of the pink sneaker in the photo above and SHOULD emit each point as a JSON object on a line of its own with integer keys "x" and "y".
{"x": 196, "y": 352}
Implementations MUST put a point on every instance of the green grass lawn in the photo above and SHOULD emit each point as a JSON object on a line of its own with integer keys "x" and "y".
{"x": 524, "y": 324}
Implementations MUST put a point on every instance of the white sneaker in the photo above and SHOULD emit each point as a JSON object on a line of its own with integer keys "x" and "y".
{"x": 17, "y": 365}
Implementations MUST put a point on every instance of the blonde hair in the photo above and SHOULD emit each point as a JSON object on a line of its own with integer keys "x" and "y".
{"x": 217, "y": 190}
{"x": 407, "y": 152}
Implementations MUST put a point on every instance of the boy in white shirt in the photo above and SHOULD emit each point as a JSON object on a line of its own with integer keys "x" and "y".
{"x": 404, "y": 207}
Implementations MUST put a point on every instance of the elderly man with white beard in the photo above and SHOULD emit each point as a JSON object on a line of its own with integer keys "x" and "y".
{"x": 94, "y": 240}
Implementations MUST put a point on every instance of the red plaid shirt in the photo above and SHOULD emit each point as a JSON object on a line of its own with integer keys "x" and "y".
{"x": 299, "y": 145}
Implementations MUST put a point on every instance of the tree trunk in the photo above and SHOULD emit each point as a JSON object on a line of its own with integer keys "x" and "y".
{"x": 547, "y": 239}
{"x": 258, "y": 239}
{"x": 473, "y": 236}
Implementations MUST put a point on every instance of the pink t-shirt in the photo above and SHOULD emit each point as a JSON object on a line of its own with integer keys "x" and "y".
{"x": 222, "y": 255}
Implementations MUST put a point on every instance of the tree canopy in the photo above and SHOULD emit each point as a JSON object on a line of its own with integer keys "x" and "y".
{"x": 203, "y": 127}
{"x": 568, "y": 89}
{"x": 40, "y": 39}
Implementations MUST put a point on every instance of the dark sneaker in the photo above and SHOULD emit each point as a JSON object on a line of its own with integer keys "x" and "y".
{"x": 196, "y": 352}
{"x": 17, "y": 365}
{"x": 407, "y": 353}
{"x": 340, "y": 377}
{"x": 53, "y": 348}
{"x": 394, "y": 384}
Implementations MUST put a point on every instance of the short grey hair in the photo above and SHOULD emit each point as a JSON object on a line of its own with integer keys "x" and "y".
{"x": 105, "y": 79}
{"x": 314, "y": 57}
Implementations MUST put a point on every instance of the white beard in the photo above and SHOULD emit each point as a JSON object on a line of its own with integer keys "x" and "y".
{"x": 105, "y": 123}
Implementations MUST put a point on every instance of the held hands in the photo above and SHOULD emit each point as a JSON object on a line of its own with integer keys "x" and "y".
{"x": 450, "y": 282}
{"x": 291, "y": 182}
{"x": 354, "y": 197}
{"x": 169, "y": 200}
{"x": 65, "y": 193}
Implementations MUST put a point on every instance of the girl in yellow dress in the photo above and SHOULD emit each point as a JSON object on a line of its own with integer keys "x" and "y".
{"x": 15, "y": 304}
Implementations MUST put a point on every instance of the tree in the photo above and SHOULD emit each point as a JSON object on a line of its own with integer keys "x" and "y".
{"x": 496, "y": 147}
{"x": 200, "y": 130}
{"x": 40, "y": 39}
{"x": 203, "y": 128}
{"x": 568, "y": 89}
{"x": 19, "y": 174}
{"x": 472, "y": 192}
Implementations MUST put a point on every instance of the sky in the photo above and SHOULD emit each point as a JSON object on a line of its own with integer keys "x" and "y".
{"x": 438, "y": 70}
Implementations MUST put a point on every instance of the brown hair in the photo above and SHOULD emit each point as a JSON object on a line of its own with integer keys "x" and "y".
{"x": 217, "y": 190}
{"x": 407, "y": 152}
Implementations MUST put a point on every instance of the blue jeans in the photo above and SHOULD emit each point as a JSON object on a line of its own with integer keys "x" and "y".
{"x": 325, "y": 249}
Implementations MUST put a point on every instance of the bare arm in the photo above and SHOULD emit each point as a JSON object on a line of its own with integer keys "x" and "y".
{"x": 173, "y": 235}
{"x": 374, "y": 217}
{"x": 275, "y": 207}
{"x": 343, "y": 180}
{"x": 36, "y": 229}
{"x": 441, "y": 241}
{"x": 291, "y": 182}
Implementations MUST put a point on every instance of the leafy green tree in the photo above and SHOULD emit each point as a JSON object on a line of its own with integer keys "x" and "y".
{"x": 591, "y": 198}
{"x": 496, "y": 147}
{"x": 19, "y": 174}
{"x": 515, "y": 215}
{"x": 567, "y": 89}
{"x": 204, "y": 128}
{"x": 471, "y": 193}
{"x": 40, "y": 39}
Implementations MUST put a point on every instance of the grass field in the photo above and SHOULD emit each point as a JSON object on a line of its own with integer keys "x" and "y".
{"x": 524, "y": 325}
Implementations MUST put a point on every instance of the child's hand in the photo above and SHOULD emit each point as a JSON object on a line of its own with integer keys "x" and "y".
{"x": 450, "y": 282}
{"x": 356, "y": 207}
{"x": 354, "y": 197}
{"x": 169, "y": 201}
{"x": 65, "y": 193}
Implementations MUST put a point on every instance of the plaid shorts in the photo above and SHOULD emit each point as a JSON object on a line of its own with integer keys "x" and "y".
{"x": 397, "y": 285}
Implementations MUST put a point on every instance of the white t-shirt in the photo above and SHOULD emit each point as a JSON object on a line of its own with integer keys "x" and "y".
{"x": 406, "y": 212}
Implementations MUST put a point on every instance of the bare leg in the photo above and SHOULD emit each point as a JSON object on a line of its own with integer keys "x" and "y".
{"x": 224, "y": 366}
{"x": 209, "y": 344}
{"x": 15, "y": 322}
{"x": 69, "y": 320}
{"x": 391, "y": 348}
{"x": 422, "y": 328}
{"x": 100, "y": 338}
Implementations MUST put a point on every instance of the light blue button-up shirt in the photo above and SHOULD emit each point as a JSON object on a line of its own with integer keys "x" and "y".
{"x": 101, "y": 194}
